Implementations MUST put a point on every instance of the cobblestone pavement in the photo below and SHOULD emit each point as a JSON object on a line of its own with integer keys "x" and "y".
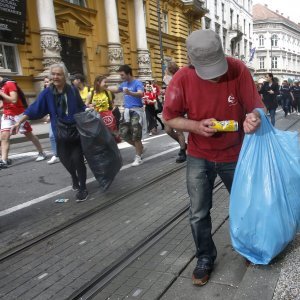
{"x": 288, "y": 286}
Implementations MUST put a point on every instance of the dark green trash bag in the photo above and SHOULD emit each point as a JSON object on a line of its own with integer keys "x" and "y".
{"x": 99, "y": 147}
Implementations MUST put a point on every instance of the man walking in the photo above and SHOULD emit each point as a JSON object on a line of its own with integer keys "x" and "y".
{"x": 133, "y": 90}
{"x": 212, "y": 88}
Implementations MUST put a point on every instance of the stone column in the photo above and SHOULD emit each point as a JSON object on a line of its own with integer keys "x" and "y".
{"x": 115, "y": 51}
{"x": 143, "y": 55}
{"x": 50, "y": 43}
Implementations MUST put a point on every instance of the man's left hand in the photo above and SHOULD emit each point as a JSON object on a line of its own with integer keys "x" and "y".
{"x": 252, "y": 122}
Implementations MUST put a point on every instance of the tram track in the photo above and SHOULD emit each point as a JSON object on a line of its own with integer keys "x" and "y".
{"x": 55, "y": 230}
{"x": 94, "y": 286}
{"x": 98, "y": 282}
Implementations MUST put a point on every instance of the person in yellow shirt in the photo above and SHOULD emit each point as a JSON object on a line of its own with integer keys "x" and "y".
{"x": 101, "y": 100}
{"x": 78, "y": 81}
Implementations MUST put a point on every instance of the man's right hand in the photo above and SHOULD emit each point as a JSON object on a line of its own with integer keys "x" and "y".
{"x": 203, "y": 127}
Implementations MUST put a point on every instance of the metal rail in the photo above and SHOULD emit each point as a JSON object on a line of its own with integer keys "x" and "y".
{"x": 96, "y": 284}
{"x": 51, "y": 232}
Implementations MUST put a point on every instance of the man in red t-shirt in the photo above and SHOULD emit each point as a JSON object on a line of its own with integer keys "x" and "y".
{"x": 213, "y": 87}
{"x": 13, "y": 109}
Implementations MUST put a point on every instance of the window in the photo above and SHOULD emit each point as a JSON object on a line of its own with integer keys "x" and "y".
{"x": 231, "y": 18}
{"x": 261, "y": 40}
{"x": 224, "y": 40}
{"x": 244, "y": 26}
{"x": 223, "y": 12}
{"x": 165, "y": 26}
{"x": 216, "y": 7}
{"x": 77, "y": 2}
{"x": 261, "y": 62}
{"x": 249, "y": 30}
{"x": 217, "y": 28}
{"x": 8, "y": 57}
{"x": 274, "y": 62}
{"x": 207, "y": 23}
{"x": 274, "y": 40}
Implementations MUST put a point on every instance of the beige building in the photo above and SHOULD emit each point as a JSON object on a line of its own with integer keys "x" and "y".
{"x": 97, "y": 36}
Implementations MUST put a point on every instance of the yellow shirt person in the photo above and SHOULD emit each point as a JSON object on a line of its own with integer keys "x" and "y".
{"x": 101, "y": 101}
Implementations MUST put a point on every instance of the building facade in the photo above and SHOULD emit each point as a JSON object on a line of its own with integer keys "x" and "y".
{"x": 277, "y": 44}
{"x": 96, "y": 36}
{"x": 232, "y": 20}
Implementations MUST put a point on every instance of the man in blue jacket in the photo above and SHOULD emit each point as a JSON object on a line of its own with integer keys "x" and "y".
{"x": 61, "y": 101}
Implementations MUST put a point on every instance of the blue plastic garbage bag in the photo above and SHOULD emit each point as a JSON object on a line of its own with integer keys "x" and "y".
{"x": 99, "y": 147}
{"x": 265, "y": 196}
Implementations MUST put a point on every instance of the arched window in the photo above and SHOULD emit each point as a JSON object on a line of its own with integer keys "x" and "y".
{"x": 274, "y": 40}
{"x": 261, "y": 40}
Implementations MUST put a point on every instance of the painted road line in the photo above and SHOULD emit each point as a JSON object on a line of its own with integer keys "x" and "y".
{"x": 68, "y": 188}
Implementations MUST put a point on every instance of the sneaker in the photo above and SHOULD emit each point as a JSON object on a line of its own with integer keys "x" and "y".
{"x": 181, "y": 156}
{"x": 54, "y": 159}
{"x": 41, "y": 156}
{"x": 202, "y": 271}
{"x": 75, "y": 187}
{"x": 137, "y": 161}
{"x": 82, "y": 195}
{"x": 3, "y": 164}
{"x": 150, "y": 133}
{"x": 9, "y": 161}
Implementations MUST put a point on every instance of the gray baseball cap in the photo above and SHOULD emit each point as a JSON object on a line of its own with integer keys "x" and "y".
{"x": 205, "y": 52}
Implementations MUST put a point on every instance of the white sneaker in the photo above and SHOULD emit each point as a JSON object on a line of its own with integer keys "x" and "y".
{"x": 138, "y": 161}
{"x": 41, "y": 156}
{"x": 298, "y": 114}
{"x": 54, "y": 159}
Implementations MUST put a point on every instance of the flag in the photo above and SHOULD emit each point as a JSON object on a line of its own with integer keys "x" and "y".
{"x": 252, "y": 52}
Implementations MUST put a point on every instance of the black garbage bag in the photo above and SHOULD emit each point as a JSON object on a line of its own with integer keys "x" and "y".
{"x": 99, "y": 147}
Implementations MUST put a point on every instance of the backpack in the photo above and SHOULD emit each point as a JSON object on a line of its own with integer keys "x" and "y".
{"x": 20, "y": 93}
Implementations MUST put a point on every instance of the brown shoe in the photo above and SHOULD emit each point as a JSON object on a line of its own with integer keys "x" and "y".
{"x": 201, "y": 273}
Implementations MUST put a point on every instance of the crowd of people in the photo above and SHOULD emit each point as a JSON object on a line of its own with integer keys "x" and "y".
{"x": 212, "y": 87}
{"x": 287, "y": 96}
{"x": 62, "y": 97}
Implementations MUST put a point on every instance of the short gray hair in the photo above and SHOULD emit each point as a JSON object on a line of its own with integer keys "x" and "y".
{"x": 63, "y": 67}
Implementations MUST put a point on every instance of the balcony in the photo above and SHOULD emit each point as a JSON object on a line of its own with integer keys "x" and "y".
{"x": 195, "y": 8}
{"x": 235, "y": 32}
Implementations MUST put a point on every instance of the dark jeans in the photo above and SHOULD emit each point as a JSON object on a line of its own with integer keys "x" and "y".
{"x": 272, "y": 115}
{"x": 297, "y": 100}
{"x": 201, "y": 175}
{"x": 150, "y": 116}
{"x": 71, "y": 156}
{"x": 286, "y": 104}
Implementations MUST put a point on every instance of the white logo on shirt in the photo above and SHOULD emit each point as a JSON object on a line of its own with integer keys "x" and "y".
{"x": 231, "y": 100}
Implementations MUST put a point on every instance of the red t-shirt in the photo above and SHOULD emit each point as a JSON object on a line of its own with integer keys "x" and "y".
{"x": 229, "y": 99}
{"x": 149, "y": 96}
{"x": 12, "y": 109}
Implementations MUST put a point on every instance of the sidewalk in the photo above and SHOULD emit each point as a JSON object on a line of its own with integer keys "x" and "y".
{"x": 39, "y": 128}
